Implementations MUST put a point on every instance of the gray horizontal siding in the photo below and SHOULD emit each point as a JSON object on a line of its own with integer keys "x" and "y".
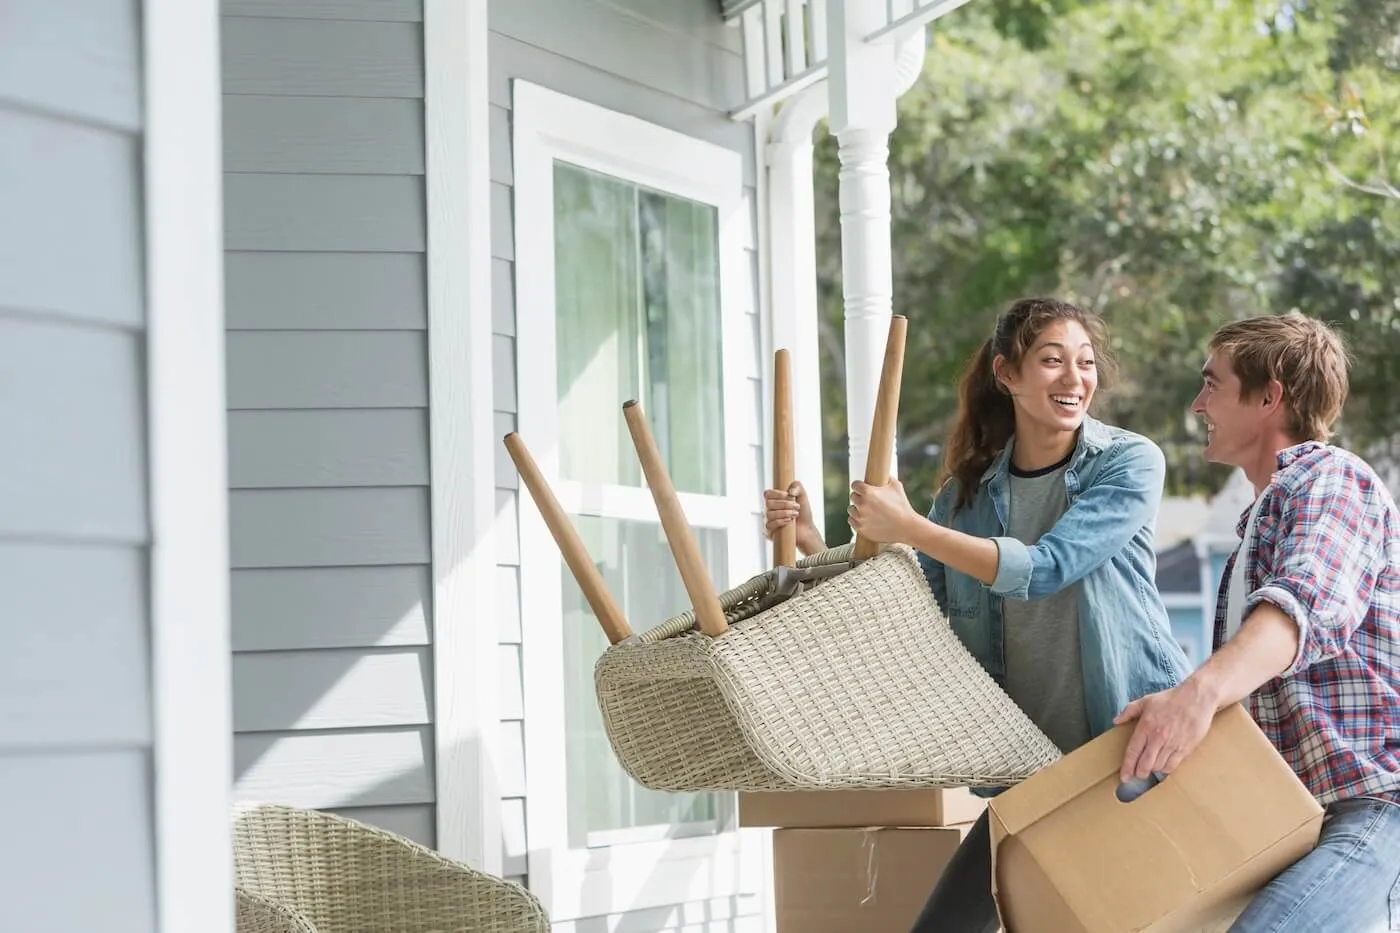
{"x": 329, "y": 607}
{"x": 82, "y": 680}
{"x": 327, "y": 369}
{"x": 330, "y": 58}
{"x": 683, "y": 17}
{"x": 77, "y": 189}
{"x": 507, "y": 477}
{"x": 72, "y": 414}
{"x": 346, "y": 447}
{"x": 328, "y": 527}
{"x": 78, "y": 841}
{"x": 503, "y": 385}
{"x": 412, "y": 821}
{"x": 323, "y": 135}
{"x": 502, "y": 223}
{"x": 331, "y": 689}
{"x": 348, "y": 768}
{"x": 513, "y": 58}
{"x": 370, "y": 10}
{"x": 324, "y": 213}
{"x": 503, "y": 297}
{"x": 84, "y": 64}
{"x": 326, "y": 291}
{"x": 76, "y": 768}
{"x": 628, "y": 47}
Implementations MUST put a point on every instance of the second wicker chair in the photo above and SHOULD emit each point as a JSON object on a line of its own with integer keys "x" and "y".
{"x": 343, "y": 876}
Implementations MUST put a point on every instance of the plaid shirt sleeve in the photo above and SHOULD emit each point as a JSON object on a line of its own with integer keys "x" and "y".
{"x": 1323, "y": 561}
{"x": 1326, "y": 551}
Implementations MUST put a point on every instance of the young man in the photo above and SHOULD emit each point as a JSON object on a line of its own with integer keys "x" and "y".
{"x": 1307, "y": 626}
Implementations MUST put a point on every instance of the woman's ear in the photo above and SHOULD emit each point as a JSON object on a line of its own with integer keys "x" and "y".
{"x": 1000, "y": 369}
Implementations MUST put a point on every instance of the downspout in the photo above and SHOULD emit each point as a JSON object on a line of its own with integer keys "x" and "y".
{"x": 793, "y": 259}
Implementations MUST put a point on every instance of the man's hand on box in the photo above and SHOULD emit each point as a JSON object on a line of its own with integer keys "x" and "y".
{"x": 1170, "y": 725}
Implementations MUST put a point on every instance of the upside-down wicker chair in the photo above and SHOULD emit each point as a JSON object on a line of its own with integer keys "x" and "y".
{"x": 254, "y": 913}
{"x": 856, "y": 682}
{"x": 839, "y": 672}
{"x": 346, "y": 877}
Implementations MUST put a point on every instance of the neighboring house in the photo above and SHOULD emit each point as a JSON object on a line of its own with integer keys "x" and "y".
{"x": 1191, "y": 560}
{"x": 254, "y": 485}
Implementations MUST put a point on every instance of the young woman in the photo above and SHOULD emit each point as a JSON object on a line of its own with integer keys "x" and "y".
{"x": 1038, "y": 548}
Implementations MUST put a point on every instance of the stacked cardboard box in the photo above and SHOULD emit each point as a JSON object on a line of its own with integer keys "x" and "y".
{"x": 858, "y": 860}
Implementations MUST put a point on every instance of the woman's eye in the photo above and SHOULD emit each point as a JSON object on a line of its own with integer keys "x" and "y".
{"x": 1052, "y": 361}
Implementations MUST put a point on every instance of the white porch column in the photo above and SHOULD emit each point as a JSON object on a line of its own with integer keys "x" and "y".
{"x": 863, "y": 89}
{"x": 793, "y": 261}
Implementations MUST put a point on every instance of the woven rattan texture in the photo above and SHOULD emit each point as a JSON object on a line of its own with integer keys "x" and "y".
{"x": 255, "y": 914}
{"x": 347, "y": 877}
{"x": 858, "y": 682}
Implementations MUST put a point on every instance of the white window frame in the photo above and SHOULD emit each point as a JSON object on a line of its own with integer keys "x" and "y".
{"x": 550, "y": 126}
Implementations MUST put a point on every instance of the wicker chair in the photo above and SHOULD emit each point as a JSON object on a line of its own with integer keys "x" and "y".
{"x": 257, "y": 914}
{"x": 347, "y": 877}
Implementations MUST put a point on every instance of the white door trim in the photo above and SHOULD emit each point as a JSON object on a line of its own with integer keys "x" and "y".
{"x": 461, "y": 431}
{"x": 189, "y": 569}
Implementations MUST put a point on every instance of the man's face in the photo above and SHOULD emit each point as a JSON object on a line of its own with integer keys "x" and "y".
{"x": 1233, "y": 425}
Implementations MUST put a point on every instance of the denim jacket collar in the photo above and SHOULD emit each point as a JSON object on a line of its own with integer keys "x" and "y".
{"x": 1094, "y": 438}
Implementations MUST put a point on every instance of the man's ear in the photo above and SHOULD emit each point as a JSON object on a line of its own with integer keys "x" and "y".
{"x": 1272, "y": 396}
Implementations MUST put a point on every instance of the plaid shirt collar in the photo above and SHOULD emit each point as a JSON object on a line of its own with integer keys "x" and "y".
{"x": 1286, "y": 458}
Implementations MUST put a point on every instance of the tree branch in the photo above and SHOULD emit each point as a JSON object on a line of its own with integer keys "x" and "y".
{"x": 1383, "y": 189}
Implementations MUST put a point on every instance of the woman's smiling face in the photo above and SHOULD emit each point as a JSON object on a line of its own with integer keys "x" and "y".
{"x": 1055, "y": 382}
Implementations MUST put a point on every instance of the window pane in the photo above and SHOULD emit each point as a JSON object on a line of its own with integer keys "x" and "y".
{"x": 638, "y": 316}
{"x": 636, "y": 563}
{"x": 597, "y": 329}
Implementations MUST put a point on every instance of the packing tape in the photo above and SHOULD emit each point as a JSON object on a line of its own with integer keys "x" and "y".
{"x": 872, "y": 862}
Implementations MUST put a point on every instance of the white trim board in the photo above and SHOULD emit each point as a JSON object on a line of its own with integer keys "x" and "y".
{"x": 550, "y": 127}
{"x": 461, "y": 432}
{"x": 189, "y": 570}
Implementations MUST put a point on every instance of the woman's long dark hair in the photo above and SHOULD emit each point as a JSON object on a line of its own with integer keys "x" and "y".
{"x": 986, "y": 417}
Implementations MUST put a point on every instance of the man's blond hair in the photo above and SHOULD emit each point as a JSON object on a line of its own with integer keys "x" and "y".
{"x": 1305, "y": 355}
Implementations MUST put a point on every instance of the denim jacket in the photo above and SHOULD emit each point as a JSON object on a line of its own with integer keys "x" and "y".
{"x": 1103, "y": 541}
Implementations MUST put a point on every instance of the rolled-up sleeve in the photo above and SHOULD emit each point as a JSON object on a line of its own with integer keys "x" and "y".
{"x": 1014, "y": 568}
{"x": 1323, "y": 567}
{"x": 1122, "y": 499}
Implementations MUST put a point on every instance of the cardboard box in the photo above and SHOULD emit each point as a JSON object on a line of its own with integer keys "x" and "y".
{"x": 1069, "y": 857}
{"x": 848, "y": 880}
{"x": 838, "y": 809}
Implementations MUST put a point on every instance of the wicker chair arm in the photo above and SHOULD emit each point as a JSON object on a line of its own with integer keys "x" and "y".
{"x": 256, "y": 914}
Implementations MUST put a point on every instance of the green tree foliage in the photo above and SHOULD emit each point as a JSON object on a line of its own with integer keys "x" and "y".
{"x": 1171, "y": 165}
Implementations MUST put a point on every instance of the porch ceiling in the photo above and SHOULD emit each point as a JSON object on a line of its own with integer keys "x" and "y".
{"x": 785, "y": 41}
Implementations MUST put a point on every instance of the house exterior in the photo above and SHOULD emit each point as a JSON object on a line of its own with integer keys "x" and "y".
{"x": 1191, "y": 565}
{"x": 276, "y": 276}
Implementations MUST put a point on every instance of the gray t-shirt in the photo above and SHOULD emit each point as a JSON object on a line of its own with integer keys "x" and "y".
{"x": 1044, "y": 672}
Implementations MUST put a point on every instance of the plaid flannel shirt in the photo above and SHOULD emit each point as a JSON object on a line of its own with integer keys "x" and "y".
{"x": 1326, "y": 551}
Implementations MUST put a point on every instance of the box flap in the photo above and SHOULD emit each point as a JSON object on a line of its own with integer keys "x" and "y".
{"x": 1020, "y": 806}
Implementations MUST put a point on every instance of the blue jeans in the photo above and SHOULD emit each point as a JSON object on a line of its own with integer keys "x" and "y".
{"x": 1349, "y": 884}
